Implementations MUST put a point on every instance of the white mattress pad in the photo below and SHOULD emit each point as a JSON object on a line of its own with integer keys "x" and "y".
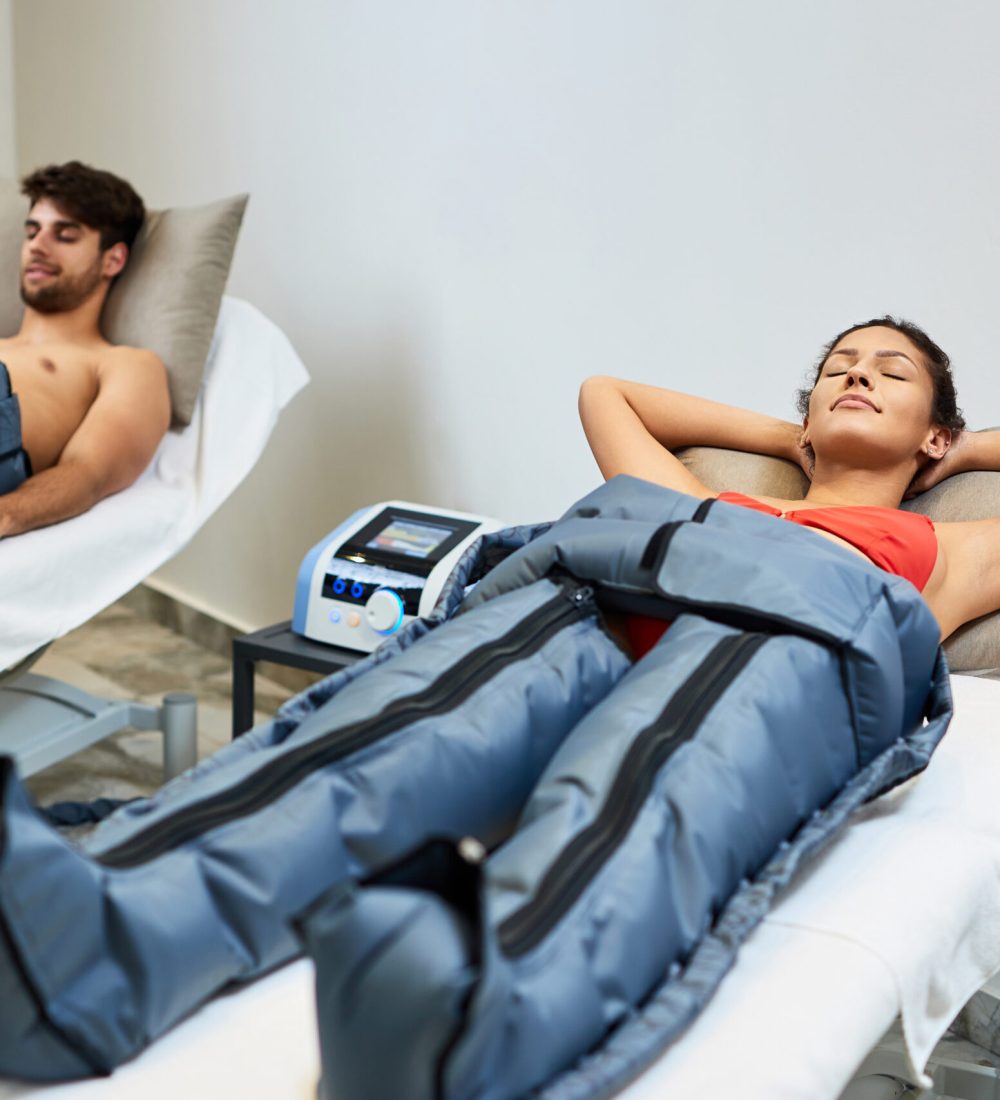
{"x": 55, "y": 578}
{"x": 899, "y": 914}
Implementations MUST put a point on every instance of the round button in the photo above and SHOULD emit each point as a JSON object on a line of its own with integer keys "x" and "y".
{"x": 354, "y": 619}
{"x": 339, "y": 585}
{"x": 384, "y": 611}
{"x": 334, "y": 615}
{"x": 357, "y": 590}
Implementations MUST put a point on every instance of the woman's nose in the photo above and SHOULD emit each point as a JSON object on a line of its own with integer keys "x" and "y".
{"x": 858, "y": 375}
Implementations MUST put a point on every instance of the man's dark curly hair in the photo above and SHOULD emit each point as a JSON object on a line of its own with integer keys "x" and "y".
{"x": 944, "y": 410}
{"x": 97, "y": 199}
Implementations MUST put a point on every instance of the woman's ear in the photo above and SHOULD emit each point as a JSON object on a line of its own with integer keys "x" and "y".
{"x": 804, "y": 436}
{"x": 937, "y": 442}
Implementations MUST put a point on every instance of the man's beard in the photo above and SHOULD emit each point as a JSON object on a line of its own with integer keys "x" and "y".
{"x": 63, "y": 293}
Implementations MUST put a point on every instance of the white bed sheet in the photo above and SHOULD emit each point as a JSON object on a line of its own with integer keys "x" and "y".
{"x": 55, "y": 578}
{"x": 900, "y": 914}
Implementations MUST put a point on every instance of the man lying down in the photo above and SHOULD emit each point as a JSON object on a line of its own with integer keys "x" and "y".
{"x": 80, "y": 418}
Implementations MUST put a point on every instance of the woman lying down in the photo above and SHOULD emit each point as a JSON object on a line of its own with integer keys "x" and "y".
{"x": 792, "y": 687}
{"x": 879, "y": 424}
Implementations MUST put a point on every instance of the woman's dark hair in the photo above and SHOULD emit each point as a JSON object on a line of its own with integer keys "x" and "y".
{"x": 944, "y": 410}
{"x": 100, "y": 200}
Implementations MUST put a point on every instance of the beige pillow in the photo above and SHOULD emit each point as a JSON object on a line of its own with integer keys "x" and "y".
{"x": 742, "y": 472}
{"x": 976, "y": 495}
{"x": 168, "y": 296}
{"x": 13, "y": 211}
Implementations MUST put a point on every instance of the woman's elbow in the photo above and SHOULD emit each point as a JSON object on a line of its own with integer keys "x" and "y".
{"x": 599, "y": 382}
{"x": 594, "y": 391}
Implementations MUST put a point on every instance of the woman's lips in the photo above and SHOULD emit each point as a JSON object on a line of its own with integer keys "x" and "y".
{"x": 854, "y": 402}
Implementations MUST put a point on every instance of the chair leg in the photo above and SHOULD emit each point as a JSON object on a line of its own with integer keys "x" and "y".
{"x": 179, "y": 722}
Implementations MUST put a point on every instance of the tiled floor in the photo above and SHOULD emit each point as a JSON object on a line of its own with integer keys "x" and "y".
{"x": 120, "y": 654}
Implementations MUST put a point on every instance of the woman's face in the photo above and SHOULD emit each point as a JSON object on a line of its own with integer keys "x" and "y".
{"x": 872, "y": 402}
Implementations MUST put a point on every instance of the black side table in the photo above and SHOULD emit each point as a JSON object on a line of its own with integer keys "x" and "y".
{"x": 281, "y": 646}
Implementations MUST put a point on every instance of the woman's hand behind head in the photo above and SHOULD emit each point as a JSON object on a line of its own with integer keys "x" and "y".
{"x": 805, "y": 456}
{"x": 954, "y": 461}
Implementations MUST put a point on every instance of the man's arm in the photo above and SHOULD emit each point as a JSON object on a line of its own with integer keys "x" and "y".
{"x": 632, "y": 428}
{"x": 110, "y": 449}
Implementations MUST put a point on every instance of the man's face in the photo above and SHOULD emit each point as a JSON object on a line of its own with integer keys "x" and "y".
{"x": 62, "y": 264}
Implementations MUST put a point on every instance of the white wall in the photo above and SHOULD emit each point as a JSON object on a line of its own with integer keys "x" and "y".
{"x": 8, "y": 158}
{"x": 462, "y": 208}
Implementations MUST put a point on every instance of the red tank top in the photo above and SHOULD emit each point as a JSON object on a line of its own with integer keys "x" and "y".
{"x": 902, "y": 543}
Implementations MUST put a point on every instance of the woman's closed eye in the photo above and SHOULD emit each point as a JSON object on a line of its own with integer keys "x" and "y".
{"x": 885, "y": 374}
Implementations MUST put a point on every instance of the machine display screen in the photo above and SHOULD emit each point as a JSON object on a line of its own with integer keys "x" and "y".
{"x": 405, "y": 539}
{"x": 407, "y": 536}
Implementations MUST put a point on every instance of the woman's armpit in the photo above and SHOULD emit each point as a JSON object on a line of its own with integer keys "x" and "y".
{"x": 966, "y": 579}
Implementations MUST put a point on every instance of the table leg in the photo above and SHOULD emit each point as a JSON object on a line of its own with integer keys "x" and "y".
{"x": 243, "y": 693}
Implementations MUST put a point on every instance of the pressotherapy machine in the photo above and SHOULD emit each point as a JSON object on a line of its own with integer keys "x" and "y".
{"x": 378, "y": 570}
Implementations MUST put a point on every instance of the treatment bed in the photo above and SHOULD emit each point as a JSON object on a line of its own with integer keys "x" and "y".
{"x": 900, "y": 916}
{"x": 897, "y": 917}
{"x": 56, "y": 578}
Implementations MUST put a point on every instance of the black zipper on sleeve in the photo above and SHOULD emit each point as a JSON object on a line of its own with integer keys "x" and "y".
{"x": 269, "y": 783}
{"x": 658, "y": 544}
{"x": 659, "y": 541}
{"x": 578, "y": 863}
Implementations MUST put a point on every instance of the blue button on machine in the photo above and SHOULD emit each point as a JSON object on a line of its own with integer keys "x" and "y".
{"x": 357, "y": 590}
{"x": 339, "y": 585}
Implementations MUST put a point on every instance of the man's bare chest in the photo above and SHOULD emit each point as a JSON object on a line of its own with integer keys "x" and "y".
{"x": 51, "y": 373}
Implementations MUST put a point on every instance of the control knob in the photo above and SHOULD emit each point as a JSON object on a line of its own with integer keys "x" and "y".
{"x": 384, "y": 611}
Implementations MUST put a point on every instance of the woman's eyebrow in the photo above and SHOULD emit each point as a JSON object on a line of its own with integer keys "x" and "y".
{"x": 884, "y": 353}
{"x": 889, "y": 354}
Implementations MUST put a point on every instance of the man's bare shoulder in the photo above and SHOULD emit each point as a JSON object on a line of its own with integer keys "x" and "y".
{"x": 118, "y": 357}
{"x": 129, "y": 376}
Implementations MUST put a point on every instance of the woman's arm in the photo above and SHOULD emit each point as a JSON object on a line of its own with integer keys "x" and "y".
{"x": 632, "y": 428}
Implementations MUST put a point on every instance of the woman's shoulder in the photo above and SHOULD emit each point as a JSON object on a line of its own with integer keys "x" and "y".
{"x": 975, "y": 542}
